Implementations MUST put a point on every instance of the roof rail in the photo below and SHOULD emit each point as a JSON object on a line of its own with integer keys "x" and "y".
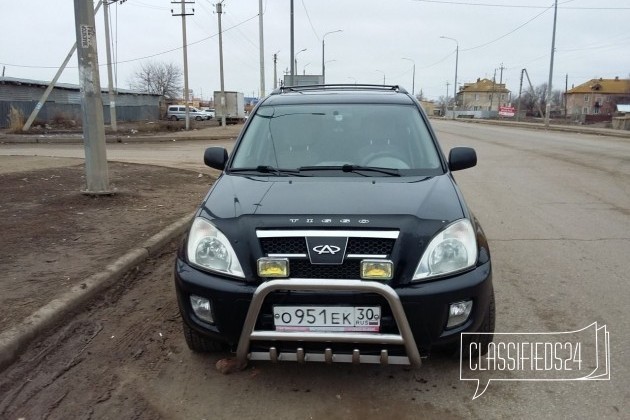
{"x": 284, "y": 89}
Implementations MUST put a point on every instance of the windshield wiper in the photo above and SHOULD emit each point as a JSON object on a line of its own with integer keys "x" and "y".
{"x": 268, "y": 169}
{"x": 351, "y": 168}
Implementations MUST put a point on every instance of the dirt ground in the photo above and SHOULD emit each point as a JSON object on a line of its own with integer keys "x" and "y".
{"x": 124, "y": 355}
{"x": 53, "y": 236}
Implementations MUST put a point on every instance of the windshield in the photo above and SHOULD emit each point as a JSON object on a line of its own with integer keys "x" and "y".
{"x": 333, "y": 136}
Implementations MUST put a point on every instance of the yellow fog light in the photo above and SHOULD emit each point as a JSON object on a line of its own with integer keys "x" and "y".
{"x": 273, "y": 267}
{"x": 377, "y": 270}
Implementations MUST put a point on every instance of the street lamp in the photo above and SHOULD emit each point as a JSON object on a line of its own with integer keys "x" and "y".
{"x": 323, "y": 50}
{"x": 456, "y": 62}
{"x": 355, "y": 80}
{"x": 304, "y": 68}
{"x": 296, "y": 56}
{"x": 381, "y": 71}
{"x": 413, "y": 80}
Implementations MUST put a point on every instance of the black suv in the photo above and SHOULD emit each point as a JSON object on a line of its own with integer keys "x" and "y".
{"x": 335, "y": 233}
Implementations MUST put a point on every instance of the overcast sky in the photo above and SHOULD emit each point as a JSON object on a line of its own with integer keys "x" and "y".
{"x": 592, "y": 40}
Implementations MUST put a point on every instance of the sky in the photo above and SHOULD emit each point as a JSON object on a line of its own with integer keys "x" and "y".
{"x": 378, "y": 40}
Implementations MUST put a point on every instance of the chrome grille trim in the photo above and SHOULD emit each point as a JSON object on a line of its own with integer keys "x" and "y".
{"x": 386, "y": 234}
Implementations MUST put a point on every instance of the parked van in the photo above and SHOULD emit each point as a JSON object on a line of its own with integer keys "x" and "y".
{"x": 178, "y": 112}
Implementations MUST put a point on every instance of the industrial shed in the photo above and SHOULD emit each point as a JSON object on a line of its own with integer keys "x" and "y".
{"x": 64, "y": 102}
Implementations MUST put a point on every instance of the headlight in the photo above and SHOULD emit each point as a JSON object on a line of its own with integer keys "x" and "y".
{"x": 208, "y": 248}
{"x": 453, "y": 249}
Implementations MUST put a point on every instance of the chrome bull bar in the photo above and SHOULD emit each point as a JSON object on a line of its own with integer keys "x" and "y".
{"x": 405, "y": 338}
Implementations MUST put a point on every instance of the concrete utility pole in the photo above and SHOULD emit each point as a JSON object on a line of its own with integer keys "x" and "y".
{"x": 292, "y": 58}
{"x": 553, "y": 49}
{"x": 520, "y": 90}
{"x": 500, "y": 83}
{"x": 262, "y": 49}
{"x": 96, "y": 174}
{"x": 456, "y": 65}
{"x": 222, "y": 99}
{"x": 446, "y": 99}
{"x": 110, "y": 81}
{"x": 183, "y": 14}
{"x": 531, "y": 88}
{"x": 51, "y": 86}
{"x": 494, "y": 78}
{"x": 413, "y": 77}
{"x": 275, "y": 71}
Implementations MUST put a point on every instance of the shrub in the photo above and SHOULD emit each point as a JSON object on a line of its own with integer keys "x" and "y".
{"x": 16, "y": 120}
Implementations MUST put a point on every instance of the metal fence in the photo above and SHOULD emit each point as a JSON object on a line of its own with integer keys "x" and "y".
{"x": 56, "y": 113}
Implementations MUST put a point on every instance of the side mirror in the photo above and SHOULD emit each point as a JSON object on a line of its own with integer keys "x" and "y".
{"x": 215, "y": 157}
{"x": 461, "y": 158}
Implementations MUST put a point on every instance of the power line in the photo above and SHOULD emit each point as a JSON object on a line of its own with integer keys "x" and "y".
{"x": 139, "y": 58}
{"x": 518, "y": 6}
{"x": 309, "y": 21}
{"x": 511, "y": 32}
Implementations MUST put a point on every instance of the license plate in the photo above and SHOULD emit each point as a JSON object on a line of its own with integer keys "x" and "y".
{"x": 327, "y": 318}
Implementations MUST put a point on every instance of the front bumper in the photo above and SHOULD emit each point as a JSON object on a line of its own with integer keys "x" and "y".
{"x": 424, "y": 307}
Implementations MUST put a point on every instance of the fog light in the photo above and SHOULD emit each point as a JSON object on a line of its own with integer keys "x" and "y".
{"x": 377, "y": 270}
{"x": 202, "y": 308}
{"x": 273, "y": 267}
{"x": 458, "y": 313}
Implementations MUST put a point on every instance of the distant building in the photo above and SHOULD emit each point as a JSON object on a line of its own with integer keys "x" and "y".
{"x": 64, "y": 102}
{"x": 598, "y": 97}
{"x": 429, "y": 108}
{"x": 483, "y": 95}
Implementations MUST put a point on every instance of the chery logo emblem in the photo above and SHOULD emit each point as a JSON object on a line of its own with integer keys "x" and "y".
{"x": 326, "y": 249}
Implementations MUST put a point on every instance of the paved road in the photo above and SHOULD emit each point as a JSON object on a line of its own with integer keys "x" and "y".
{"x": 556, "y": 207}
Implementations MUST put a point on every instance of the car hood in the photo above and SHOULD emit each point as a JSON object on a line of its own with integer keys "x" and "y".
{"x": 423, "y": 197}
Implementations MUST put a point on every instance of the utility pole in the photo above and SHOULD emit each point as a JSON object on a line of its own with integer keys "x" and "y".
{"x": 110, "y": 82}
{"x": 446, "y": 100}
{"x": 566, "y": 88}
{"x": 500, "y": 83}
{"x": 531, "y": 87}
{"x": 413, "y": 77}
{"x": 520, "y": 90}
{"x": 183, "y": 14}
{"x": 262, "y": 49}
{"x": 275, "y": 71}
{"x": 494, "y": 78}
{"x": 96, "y": 173}
{"x": 553, "y": 48}
{"x": 51, "y": 86}
{"x": 292, "y": 58}
{"x": 222, "y": 99}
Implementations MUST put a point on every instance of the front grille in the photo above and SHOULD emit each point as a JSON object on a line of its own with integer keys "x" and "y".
{"x": 303, "y": 269}
{"x": 371, "y": 246}
{"x": 295, "y": 245}
{"x": 360, "y": 246}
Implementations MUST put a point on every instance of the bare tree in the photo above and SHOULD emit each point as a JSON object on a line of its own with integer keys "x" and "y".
{"x": 159, "y": 78}
{"x": 529, "y": 99}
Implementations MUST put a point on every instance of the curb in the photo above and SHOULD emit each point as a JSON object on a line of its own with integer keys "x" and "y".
{"x": 608, "y": 132}
{"x": 15, "y": 340}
